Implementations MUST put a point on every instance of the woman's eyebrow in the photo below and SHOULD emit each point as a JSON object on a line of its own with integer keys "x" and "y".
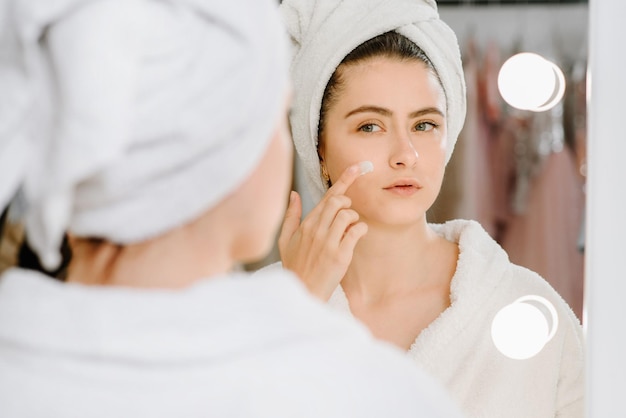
{"x": 386, "y": 112}
{"x": 426, "y": 111}
{"x": 366, "y": 109}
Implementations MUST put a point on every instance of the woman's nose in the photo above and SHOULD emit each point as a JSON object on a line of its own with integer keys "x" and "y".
{"x": 404, "y": 153}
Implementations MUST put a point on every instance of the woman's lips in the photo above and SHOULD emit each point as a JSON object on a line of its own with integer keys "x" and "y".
{"x": 406, "y": 187}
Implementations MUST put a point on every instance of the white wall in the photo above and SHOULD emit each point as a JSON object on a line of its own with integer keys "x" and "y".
{"x": 605, "y": 292}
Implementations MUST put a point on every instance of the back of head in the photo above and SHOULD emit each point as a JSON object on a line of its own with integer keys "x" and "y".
{"x": 122, "y": 120}
{"x": 324, "y": 32}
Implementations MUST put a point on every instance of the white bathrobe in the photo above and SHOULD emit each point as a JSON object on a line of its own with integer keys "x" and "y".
{"x": 457, "y": 348}
{"x": 227, "y": 347}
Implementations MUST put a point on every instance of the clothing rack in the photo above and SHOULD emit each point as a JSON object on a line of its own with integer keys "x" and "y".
{"x": 504, "y": 2}
{"x": 557, "y": 31}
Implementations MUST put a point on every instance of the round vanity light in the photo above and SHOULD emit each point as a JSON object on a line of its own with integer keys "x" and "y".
{"x": 521, "y": 330}
{"x": 528, "y": 81}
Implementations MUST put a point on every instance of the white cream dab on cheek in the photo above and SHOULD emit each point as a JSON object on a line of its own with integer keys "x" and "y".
{"x": 366, "y": 167}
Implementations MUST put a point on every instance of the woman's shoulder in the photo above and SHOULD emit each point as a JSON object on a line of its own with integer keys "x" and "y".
{"x": 485, "y": 271}
{"x": 522, "y": 282}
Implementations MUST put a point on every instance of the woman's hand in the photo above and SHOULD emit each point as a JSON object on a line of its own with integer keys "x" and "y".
{"x": 319, "y": 250}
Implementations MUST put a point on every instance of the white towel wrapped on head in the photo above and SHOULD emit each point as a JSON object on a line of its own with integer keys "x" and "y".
{"x": 123, "y": 119}
{"x": 324, "y": 32}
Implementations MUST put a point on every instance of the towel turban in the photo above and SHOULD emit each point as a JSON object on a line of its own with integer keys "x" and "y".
{"x": 123, "y": 119}
{"x": 324, "y": 32}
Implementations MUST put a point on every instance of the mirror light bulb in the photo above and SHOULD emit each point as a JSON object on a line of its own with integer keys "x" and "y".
{"x": 528, "y": 81}
{"x": 521, "y": 330}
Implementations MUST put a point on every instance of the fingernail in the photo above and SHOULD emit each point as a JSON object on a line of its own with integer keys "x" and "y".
{"x": 366, "y": 167}
{"x": 292, "y": 196}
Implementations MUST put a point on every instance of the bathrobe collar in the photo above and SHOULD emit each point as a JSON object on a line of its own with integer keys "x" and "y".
{"x": 480, "y": 265}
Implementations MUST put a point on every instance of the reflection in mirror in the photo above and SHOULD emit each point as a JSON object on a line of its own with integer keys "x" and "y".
{"x": 522, "y": 173}
{"x": 436, "y": 285}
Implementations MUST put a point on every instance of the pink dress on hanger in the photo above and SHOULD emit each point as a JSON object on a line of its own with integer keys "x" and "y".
{"x": 544, "y": 237}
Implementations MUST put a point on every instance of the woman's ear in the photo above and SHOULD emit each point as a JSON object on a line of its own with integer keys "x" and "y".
{"x": 323, "y": 169}
{"x": 325, "y": 175}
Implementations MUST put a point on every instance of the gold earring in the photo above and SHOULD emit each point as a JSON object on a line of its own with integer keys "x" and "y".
{"x": 325, "y": 175}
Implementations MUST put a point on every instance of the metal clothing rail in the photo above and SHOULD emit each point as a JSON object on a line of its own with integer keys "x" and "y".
{"x": 504, "y": 2}
{"x": 558, "y": 32}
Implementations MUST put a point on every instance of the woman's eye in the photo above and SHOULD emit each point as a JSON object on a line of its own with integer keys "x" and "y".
{"x": 425, "y": 126}
{"x": 369, "y": 127}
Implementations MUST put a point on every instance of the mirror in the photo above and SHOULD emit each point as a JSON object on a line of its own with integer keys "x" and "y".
{"x": 520, "y": 173}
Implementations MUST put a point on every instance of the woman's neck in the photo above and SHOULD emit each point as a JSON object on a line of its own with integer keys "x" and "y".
{"x": 391, "y": 260}
{"x": 174, "y": 260}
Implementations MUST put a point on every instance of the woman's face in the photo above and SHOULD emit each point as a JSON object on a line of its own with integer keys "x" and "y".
{"x": 393, "y": 113}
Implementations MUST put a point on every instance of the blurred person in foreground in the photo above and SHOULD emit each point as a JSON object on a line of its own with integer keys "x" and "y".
{"x": 154, "y": 134}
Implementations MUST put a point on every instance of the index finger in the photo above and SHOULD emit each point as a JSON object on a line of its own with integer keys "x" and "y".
{"x": 348, "y": 177}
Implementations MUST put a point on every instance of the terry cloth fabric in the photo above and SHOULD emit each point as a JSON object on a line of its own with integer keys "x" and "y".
{"x": 232, "y": 346}
{"x": 458, "y": 350}
{"x": 123, "y": 119}
{"x": 324, "y": 32}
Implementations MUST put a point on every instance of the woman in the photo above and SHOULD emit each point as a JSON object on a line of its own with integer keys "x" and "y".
{"x": 167, "y": 160}
{"x": 382, "y": 82}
